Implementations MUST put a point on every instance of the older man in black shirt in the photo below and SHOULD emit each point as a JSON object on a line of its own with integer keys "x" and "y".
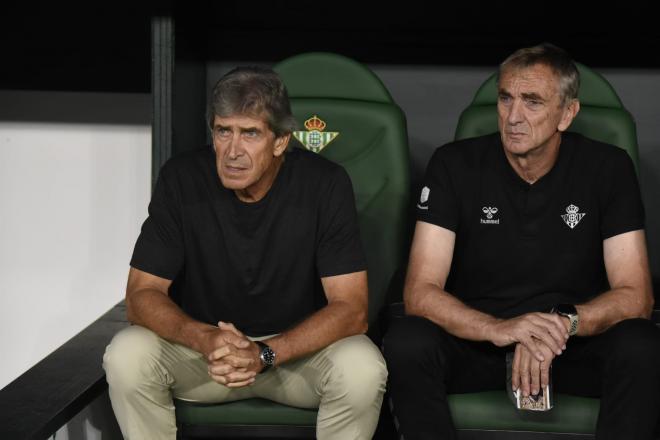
{"x": 270, "y": 291}
{"x": 514, "y": 225}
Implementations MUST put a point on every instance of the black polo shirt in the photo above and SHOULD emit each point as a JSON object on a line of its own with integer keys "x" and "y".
{"x": 257, "y": 265}
{"x": 522, "y": 247}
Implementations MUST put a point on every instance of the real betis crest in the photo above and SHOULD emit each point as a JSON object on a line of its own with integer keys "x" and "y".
{"x": 315, "y": 139}
{"x": 572, "y": 216}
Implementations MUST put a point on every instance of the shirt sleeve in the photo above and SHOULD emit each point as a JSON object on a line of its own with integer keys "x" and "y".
{"x": 159, "y": 249}
{"x": 623, "y": 209}
{"x": 339, "y": 249}
{"x": 437, "y": 202}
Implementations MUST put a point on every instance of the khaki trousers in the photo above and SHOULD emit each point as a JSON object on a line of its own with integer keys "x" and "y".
{"x": 345, "y": 381}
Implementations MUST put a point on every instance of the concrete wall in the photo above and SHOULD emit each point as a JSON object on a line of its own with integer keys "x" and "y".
{"x": 73, "y": 194}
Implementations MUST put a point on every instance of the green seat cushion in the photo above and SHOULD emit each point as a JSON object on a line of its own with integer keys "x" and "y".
{"x": 243, "y": 412}
{"x": 489, "y": 410}
{"x": 492, "y": 410}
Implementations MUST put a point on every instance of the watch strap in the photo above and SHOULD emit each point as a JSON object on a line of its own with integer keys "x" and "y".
{"x": 266, "y": 355}
{"x": 569, "y": 311}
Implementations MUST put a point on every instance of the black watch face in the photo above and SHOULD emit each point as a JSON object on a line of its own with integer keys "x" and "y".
{"x": 566, "y": 309}
{"x": 267, "y": 355}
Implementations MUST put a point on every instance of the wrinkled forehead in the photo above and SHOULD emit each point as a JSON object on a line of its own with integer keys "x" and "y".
{"x": 537, "y": 78}
{"x": 241, "y": 120}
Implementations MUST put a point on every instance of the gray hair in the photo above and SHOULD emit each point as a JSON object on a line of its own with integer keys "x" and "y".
{"x": 556, "y": 59}
{"x": 252, "y": 91}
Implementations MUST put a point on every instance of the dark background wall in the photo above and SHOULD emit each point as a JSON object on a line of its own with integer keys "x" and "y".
{"x": 99, "y": 46}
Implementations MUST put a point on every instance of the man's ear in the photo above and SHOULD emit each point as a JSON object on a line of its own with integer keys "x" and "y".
{"x": 280, "y": 144}
{"x": 570, "y": 112}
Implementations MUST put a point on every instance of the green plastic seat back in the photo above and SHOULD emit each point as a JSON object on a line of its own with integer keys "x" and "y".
{"x": 602, "y": 116}
{"x": 355, "y": 122}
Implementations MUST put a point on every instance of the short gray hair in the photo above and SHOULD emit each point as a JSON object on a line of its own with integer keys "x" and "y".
{"x": 253, "y": 91}
{"x": 556, "y": 59}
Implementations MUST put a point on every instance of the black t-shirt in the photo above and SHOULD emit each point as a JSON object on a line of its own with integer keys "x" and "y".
{"x": 522, "y": 247}
{"x": 257, "y": 265}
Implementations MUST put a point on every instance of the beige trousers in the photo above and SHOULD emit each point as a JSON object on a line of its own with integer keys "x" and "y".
{"x": 345, "y": 380}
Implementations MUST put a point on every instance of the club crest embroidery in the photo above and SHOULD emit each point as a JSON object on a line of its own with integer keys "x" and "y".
{"x": 424, "y": 198}
{"x": 572, "y": 216}
{"x": 490, "y": 212}
{"x": 315, "y": 139}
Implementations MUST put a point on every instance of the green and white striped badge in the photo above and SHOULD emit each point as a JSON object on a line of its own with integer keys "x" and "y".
{"x": 315, "y": 139}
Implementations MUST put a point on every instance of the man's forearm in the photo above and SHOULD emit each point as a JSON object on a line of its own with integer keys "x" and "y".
{"x": 335, "y": 321}
{"x": 611, "y": 307}
{"x": 433, "y": 303}
{"x": 156, "y": 311}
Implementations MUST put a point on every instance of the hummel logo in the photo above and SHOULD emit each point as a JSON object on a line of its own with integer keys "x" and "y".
{"x": 572, "y": 216}
{"x": 490, "y": 212}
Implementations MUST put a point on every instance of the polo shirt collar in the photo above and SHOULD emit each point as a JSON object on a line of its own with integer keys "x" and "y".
{"x": 547, "y": 179}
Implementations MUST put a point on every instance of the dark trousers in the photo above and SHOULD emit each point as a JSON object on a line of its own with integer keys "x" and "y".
{"x": 621, "y": 366}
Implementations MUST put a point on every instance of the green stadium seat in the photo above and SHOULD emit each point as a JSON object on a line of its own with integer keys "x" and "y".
{"x": 487, "y": 414}
{"x": 346, "y": 114}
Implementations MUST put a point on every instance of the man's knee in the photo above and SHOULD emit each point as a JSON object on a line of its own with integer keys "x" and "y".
{"x": 357, "y": 372}
{"x": 635, "y": 343}
{"x": 131, "y": 358}
{"x": 413, "y": 340}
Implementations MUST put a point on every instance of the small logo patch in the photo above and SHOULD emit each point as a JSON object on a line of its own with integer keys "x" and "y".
{"x": 424, "y": 198}
{"x": 572, "y": 216}
{"x": 490, "y": 212}
{"x": 315, "y": 139}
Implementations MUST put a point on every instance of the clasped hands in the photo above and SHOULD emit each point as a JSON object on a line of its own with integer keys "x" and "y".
{"x": 538, "y": 339}
{"x": 233, "y": 359}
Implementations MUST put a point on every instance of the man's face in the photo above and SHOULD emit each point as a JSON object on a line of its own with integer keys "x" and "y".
{"x": 529, "y": 109}
{"x": 247, "y": 154}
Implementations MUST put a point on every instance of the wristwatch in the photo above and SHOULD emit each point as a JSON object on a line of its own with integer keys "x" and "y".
{"x": 569, "y": 311}
{"x": 267, "y": 356}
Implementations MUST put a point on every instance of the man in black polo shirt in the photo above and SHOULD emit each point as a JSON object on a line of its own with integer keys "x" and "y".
{"x": 531, "y": 241}
{"x": 269, "y": 297}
